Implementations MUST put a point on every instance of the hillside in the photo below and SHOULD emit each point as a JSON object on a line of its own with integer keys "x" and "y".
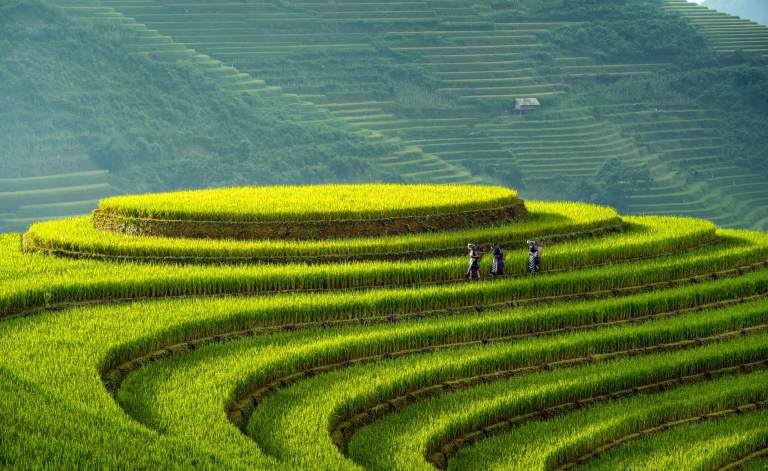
{"x": 127, "y": 345}
{"x": 755, "y": 10}
{"x": 84, "y": 116}
{"x": 616, "y": 80}
{"x": 654, "y": 107}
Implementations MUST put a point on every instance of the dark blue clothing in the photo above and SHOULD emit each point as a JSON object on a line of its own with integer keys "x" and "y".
{"x": 533, "y": 261}
{"x": 498, "y": 259}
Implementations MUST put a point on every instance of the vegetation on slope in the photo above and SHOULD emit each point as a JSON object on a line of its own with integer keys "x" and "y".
{"x": 626, "y": 32}
{"x": 733, "y": 85}
{"x": 443, "y": 76}
{"x": 73, "y": 96}
{"x": 439, "y": 76}
{"x": 755, "y": 10}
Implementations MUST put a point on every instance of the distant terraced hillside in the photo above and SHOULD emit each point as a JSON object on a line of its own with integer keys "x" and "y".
{"x": 670, "y": 139}
{"x": 325, "y": 56}
{"x": 144, "y": 41}
{"x": 725, "y": 32}
{"x": 436, "y": 82}
{"x": 24, "y": 201}
{"x": 340, "y": 60}
{"x": 756, "y": 10}
{"x": 130, "y": 110}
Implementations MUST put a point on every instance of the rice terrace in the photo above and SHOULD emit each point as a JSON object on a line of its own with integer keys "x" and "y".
{"x": 395, "y": 235}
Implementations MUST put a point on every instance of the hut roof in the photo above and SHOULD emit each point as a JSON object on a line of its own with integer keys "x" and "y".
{"x": 526, "y": 102}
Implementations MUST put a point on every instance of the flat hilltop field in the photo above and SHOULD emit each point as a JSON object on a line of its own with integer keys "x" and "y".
{"x": 641, "y": 342}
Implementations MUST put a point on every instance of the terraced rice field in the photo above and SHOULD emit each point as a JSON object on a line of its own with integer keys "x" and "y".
{"x": 322, "y": 59}
{"x": 726, "y": 33}
{"x": 670, "y": 139}
{"x": 24, "y": 201}
{"x": 643, "y": 341}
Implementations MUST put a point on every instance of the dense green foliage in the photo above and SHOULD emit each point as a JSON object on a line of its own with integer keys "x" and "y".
{"x": 154, "y": 125}
{"x": 623, "y": 31}
{"x": 733, "y": 85}
{"x": 619, "y": 182}
{"x": 740, "y": 89}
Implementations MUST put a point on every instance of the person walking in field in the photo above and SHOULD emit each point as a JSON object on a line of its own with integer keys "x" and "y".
{"x": 474, "y": 266}
{"x": 498, "y": 261}
{"x": 534, "y": 262}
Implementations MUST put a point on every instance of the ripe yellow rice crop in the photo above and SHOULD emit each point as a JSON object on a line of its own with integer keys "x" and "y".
{"x": 173, "y": 404}
{"x": 309, "y": 203}
{"x": 33, "y": 279}
{"x": 77, "y": 235}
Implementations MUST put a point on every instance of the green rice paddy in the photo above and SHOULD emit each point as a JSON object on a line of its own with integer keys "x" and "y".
{"x": 620, "y": 349}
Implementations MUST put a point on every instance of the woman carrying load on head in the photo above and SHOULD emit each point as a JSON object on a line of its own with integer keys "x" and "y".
{"x": 534, "y": 263}
{"x": 474, "y": 267}
{"x": 498, "y": 261}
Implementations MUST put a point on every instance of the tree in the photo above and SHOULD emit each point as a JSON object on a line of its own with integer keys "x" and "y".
{"x": 620, "y": 181}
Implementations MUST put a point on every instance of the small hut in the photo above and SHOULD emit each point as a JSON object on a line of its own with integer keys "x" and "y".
{"x": 524, "y": 105}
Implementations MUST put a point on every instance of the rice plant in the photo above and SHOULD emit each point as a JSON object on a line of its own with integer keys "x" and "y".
{"x": 685, "y": 294}
{"x": 402, "y": 441}
{"x": 541, "y": 445}
{"x": 709, "y": 444}
{"x": 309, "y": 203}
{"x": 75, "y": 281}
{"x": 76, "y": 235}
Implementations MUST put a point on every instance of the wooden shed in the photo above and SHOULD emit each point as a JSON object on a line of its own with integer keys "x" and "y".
{"x": 524, "y": 105}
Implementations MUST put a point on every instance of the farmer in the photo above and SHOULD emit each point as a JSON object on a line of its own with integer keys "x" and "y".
{"x": 474, "y": 267}
{"x": 534, "y": 263}
{"x": 498, "y": 261}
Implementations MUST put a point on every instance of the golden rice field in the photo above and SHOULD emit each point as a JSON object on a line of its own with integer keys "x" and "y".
{"x": 309, "y": 203}
{"x": 76, "y": 235}
{"x": 642, "y": 343}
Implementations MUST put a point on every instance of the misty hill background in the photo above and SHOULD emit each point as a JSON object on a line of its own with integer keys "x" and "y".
{"x": 756, "y": 10}
{"x": 642, "y": 108}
